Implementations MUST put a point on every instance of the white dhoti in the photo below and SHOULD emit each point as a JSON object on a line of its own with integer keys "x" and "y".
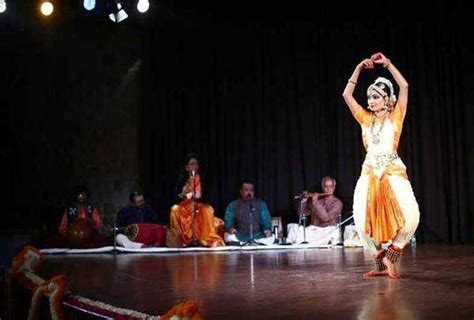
{"x": 351, "y": 237}
{"x": 233, "y": 238}
{"x": 314, "y": 235}
{"x": 407, "y": 202}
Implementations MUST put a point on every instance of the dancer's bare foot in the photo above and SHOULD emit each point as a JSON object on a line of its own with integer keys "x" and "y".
{"x": 375, "y": 273}
{"x": 380, "y": 269}
{"x": 391, "y": 269}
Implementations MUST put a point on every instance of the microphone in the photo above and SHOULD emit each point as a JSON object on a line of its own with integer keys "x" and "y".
{"x": 251, "y": 208}
{"x": 193, "y": 173}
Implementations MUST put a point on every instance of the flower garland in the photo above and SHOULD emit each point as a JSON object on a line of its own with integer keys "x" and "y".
{"x": 24, "y": 267}
{"x": 105, "y": 309}
{"x": 54, "y": 289}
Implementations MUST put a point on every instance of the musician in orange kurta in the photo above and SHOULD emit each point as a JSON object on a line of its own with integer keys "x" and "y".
{"x": 385, "y": 208}
{"x": 193, "y": 222}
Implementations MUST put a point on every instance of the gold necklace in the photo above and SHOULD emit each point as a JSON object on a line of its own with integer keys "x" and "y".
{"x": 376, "y": 136}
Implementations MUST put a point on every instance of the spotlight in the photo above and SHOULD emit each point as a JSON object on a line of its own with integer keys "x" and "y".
{"x": 89, "y": 4}
{"x": 47, "y": 8}
{"x": 143, "y": 6}
{"x": 118, "y": 13}
{"x": 3, "y": 6}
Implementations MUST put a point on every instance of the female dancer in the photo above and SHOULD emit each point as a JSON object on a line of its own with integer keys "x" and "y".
{"x": 385, "y": 208}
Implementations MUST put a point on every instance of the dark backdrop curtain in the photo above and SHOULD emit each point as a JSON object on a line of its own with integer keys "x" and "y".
{"x": 262, "y": 100}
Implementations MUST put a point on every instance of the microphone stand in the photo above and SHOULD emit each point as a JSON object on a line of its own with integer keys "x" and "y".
{"x": 251, "y": 241}
{"x": 303, "y": 221}
{"x": 115, "y": 230}
{"x": 194, "y": 243}
{"x": 115, "y": 233}
{"x": 302, "y": 216}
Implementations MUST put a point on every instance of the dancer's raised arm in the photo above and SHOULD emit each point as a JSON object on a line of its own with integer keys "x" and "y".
{"x": 353, "y": 105}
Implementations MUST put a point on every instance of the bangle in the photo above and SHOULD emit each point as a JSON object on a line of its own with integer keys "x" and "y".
{"x": 352, "y": 81}
{"x": 387, "y": 64}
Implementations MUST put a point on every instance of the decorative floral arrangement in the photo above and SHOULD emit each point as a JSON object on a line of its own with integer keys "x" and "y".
{"x": 23, "y": 268}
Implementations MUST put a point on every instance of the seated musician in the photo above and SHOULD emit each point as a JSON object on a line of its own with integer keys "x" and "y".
{"x": 192, "y": 221}
{"x": 248, "y": 218}
{"x": 80, "y": 209}
{"x": 81, "y": 225}
{"x": 136, "y": 223}
{"x": 324, "y": 210}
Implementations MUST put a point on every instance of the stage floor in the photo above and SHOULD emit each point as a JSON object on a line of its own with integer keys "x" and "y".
{"x": 438, "y": 283}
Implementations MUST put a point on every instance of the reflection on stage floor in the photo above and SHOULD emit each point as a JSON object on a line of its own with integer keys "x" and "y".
{"x": 438, "y": 283}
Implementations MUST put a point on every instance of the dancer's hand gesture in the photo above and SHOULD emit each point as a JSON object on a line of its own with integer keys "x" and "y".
{"x": 366, "y": 64}
{"x": 379, "y": 58}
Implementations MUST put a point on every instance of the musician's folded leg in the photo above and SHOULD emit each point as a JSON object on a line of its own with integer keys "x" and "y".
{"x": 123, "y": 241}
{"x": 231, "y": 239}
{"x": 266, "y": 241}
